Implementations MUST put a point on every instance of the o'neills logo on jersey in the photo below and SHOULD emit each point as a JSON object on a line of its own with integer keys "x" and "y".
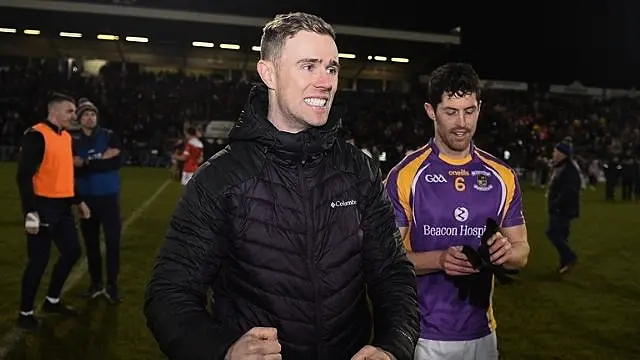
{"x": 460, "y": 230}
{"x": 335, "y": 204}
{"x": 459, "y": 172}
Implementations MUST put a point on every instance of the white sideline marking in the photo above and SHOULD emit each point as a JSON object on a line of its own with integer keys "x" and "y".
{"x": 11, "y": 338}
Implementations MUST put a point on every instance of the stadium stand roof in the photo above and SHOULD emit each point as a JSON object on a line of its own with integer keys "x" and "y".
{"x": 185, "y": 32}
{"x": 423, "y": 17}
{"x": 217, "y": 19}
{"x": 172, "y": 39}
{"x": 548, "y": 42}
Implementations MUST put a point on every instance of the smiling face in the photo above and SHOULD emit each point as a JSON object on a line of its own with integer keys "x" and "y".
{"x": 453, "y": 103}
{"x": 299, "y": 65}
{"x": 303, "y": 81}
{"x": 455, "y": 118}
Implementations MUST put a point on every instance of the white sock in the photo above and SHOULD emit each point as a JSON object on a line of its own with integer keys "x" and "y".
{"x": 53, "y": 300}
{"x": 26, "y": 313}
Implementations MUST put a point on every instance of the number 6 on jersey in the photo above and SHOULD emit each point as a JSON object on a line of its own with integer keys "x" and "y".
{"x": 458, "y": 184}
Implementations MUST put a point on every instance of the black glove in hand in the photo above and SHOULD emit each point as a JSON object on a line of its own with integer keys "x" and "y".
{"x": 481, "y": 259}
{"x": 476, "y": 288}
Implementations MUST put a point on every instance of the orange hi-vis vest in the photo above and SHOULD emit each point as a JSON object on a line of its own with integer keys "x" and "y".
{"x": 55, "y": 177}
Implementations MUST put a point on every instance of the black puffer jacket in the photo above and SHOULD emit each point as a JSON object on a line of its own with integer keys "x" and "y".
{"x": 291, "y": 231}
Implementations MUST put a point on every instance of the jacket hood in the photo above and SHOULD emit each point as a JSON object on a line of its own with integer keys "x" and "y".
{"x": 254, "y": 126}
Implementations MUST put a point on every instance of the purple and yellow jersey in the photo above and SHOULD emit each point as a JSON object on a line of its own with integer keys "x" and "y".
{"x": 445, "y": 202}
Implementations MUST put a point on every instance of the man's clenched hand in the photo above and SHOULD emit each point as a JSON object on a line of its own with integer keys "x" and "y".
{"x": 372, "y": 353}
{"x": 258, "y": 343}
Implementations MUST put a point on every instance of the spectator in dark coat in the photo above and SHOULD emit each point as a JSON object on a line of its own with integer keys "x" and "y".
{"x": 563, "y": 202}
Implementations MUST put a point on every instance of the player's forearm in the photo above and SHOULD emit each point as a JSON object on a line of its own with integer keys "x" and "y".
{"x": 426, "y": 262}
{"x": 24, "y": 178}
{"x": 519, "y": 255}
{"x": 27, "y": 194}
{"x": 102, "y": 165}
{"x": 30, "y": 160}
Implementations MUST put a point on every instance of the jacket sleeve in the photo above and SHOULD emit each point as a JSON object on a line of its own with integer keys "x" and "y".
{"x": 31, "y": 156}
{"x": 188, "y": 262}
{"x": 104, "y": 165}
{"x": 567, "y": 191}
{"x": 391, "y": 280}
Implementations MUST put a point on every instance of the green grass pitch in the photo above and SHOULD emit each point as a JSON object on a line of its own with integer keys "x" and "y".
{"x": 592, "y": 313}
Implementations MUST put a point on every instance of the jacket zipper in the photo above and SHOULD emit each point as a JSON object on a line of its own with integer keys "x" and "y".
{"x": 311, "y": 265}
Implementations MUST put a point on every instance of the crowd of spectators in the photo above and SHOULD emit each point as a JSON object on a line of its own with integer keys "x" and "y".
{"x": 149, "y": 112}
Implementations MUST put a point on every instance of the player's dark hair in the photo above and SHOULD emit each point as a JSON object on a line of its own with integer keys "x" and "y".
{"x": 56, "y": 98}
{"x": 191, "y": 131}
{"x": 452, "y": 79}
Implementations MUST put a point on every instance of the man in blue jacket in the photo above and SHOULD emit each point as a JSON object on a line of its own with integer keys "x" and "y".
{"x": 97, "y": 161}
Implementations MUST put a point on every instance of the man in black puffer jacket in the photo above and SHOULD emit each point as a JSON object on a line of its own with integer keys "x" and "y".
{"x": 289, "y": 226}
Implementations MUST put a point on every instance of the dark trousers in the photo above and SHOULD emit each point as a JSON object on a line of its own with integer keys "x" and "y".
{"x": 105, "y": 213}
{"x": 627, "y": 189}
{"x": 57, "y": 226}
{"x": 558, "y": 233}
{"x": 609, "y": 190}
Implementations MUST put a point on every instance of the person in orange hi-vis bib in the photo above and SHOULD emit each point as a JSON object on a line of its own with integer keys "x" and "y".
{"x": 47, "y": 191}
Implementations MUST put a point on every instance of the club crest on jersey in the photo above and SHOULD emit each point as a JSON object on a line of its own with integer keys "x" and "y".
{"x": 482, "y": 180}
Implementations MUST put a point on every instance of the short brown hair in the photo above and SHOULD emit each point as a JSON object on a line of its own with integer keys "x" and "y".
{"x": 56, "y": 98}
{"x": 285, "y": 26}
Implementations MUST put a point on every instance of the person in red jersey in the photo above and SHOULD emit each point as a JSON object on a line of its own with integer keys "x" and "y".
{"x": 192, "y": 155}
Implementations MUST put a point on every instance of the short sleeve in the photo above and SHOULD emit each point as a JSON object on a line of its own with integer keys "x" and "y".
{"x": 399, "y": 196}
{"x": 513, "y": 215}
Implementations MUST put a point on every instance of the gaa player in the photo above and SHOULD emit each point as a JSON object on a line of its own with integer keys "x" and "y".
{"x": 192, "y": 154}
{"x": 443, "y": 194}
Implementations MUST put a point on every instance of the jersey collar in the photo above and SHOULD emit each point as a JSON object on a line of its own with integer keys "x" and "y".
{"x": 54, "y": 127}
{"x": 449, "y": 160}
